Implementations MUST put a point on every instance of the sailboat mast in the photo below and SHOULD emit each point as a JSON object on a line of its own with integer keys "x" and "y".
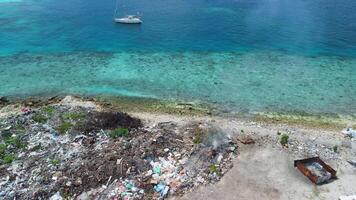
{"x": 117, "y": 4}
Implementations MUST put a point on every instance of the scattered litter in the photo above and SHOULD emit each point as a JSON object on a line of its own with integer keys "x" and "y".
{"x": 350, "y": 132}
{"x": 352, "y": 162}
{"x": 352, "y": 197}
{"x": 126, "y": 189}
{"x": 162, "y": 189}
{"x": 26, "y": 111}
{"x": 315, "y": 169}
{"x": 7, "y": 128}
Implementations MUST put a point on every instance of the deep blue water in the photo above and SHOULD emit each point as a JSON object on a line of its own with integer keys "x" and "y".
{"x": 242, "y": 54}
{"x": 298, "y": 26}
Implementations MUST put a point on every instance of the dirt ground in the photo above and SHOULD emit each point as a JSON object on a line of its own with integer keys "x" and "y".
{"x": 265, "y": 171}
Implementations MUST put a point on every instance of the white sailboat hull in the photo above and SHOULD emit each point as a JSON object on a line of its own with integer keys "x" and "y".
{"x": 128, "y": 20}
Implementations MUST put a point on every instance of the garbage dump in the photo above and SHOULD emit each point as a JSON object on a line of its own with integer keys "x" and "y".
{"x": 63, "y": 152}
{"x": 316, "y": 170}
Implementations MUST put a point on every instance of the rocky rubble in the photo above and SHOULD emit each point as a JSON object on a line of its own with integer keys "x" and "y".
{"x": 72, "y": 152}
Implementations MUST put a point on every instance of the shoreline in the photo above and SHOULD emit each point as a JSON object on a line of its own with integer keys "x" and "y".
{"x": 330, "y": 121}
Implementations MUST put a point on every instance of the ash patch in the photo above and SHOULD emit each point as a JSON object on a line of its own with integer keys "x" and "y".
{"x": 108, "y": 120}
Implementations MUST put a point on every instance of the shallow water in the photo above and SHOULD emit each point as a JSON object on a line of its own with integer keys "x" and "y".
{"x": 240, "y": 55}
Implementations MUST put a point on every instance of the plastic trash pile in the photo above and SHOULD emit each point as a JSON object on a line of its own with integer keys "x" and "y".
{"x": 318, "y": 170}
{"x": 166, "y": 174}
{"x": 126, "y": 189}
{"x": 61, "y": 151}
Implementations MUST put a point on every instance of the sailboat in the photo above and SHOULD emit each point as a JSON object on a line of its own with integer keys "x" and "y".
{"x": 128, "y": 19}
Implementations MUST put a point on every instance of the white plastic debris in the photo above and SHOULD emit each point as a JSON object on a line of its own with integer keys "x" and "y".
{"x": 350, "y": 132}
{"x": 352, "y": 197}
{"x": 56, "y": 196}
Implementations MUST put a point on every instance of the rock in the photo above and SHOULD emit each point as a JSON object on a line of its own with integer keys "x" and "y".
{"x": 68, "y": 183}
{"x": 352, "y": 162}
{"x": 83, "y": 196}
{"x": 56, "y": 196}
{"x": 246, "y": 140}
{"x": 219, "y": 158}
{"x": 346, "y": 144}
{"x": 3, "y": 100}
{"x": 11, "y": 194}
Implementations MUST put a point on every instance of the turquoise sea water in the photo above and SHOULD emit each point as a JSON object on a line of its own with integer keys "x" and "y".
{"x": 239, "y": 55}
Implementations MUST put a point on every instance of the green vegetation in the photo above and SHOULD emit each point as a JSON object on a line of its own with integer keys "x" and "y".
{"x": 74, "y": 116}
{"x": 335, "y": 148}
{"x": 127, "y": 104}
{"x": 39, "y": 118}
{"x": 214, "y": 169}
{"x": 284, "y": 139}
{"x": 15, "y": 141}
{"x": 54, "y": 162}
{"x": 325, "y": 121}
{"x": 242, "y": 131}
{"x": 8, "y": 158}
{"x": 199, "y": 135}
{"x": 66, "y": 195}
{"x": 64, "y": 127}
{"x": 49, "y": 110}
{"x": 119, "y": 132}
{"x": 19, "y": 128}
{"x": 2, "y": 149}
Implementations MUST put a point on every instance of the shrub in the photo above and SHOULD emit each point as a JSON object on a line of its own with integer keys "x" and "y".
{"x": 2, "y": 149}
{"x": 39, "y": 118}
{"x": 214, "y": 169}
{"x": 15, "y": 141}
{"x": 335, "y": 148}
{"x": 8, "y": 158}
{"x": 199, "y": 135}
{"x": 54, "y": 162}
{"x": 49, "y": 110}
{"x": 19, "y": 128}
{"x": 74, "y": 115}
{"x": 64, "y": 127}
{"x": 284, "y": 139}
{"x": 119, "y": 132}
